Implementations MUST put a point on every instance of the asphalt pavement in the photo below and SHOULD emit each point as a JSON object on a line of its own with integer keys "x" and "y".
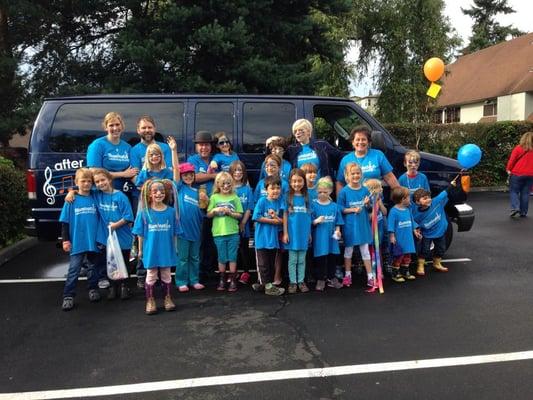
{"x": 483, "y": 306}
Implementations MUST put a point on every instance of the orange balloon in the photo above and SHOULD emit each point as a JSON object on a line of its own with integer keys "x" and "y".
{"x": 433, "y": 69}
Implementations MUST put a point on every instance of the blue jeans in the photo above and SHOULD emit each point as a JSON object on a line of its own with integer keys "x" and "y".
{"x": 76, "y": 261}
{"x": 438, "y": 250}
{"x": 189, "y": 262}
{"x": 519, "y": 192}
{"x": 297, "y": 265}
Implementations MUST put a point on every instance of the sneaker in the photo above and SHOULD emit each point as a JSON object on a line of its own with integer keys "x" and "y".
{"x": 514, "y": 213}
{"x": 320, "y": 285}
{"x": 292, "y": 288}
{"x": 68, "y": 303}
{"x": 94, "y": 295}
{"x": 103, "y": 284}
{"x": 371, "y": 282}
{"x": 183, "y": 288}
{"x": 244, "y": 278}
{"x": 407, "y": 274}
{"x": 273, "y": 290}
{"x": 257, "y": 287}
{"x": 347, "y": 281}
{"x": 334, "y": 283}
{"x": 198, "y": 286}
{"x": 396, "y": 276}
{"x": 303, "y": 287}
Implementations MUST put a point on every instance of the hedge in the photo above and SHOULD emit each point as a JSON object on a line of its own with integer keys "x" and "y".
{"x": 496, "y": 140}
{"x": 13, "y": 202}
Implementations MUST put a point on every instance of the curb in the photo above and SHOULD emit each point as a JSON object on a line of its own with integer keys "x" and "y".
{"x": 14, "y": 250}
{"x": 490, "y": 189}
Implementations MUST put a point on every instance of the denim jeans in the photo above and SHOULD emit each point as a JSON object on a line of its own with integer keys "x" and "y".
{"x": 76, "y": 261}
{"x": 297, "y": 265}
{"x": 519, "y": 192}
{"x": 188, "y": 267}
{"x": 438, "y": 250}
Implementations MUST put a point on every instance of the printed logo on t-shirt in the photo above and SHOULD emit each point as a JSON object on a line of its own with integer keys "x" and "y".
{"x": 118, "y": 157}
{"x": 108, "y": 207}
{"x": 159, "y": 227}
{"x": 85, "y": 210}
{"x": 433, "y": 221}
{"x": 370, "y": 167}
{"x": 190, "y": 200}
{"x": 311, "y": 156}
{"x": 404, "y": 224}
{"x": 299, "y": 209}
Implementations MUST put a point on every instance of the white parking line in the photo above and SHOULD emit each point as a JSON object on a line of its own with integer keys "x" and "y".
{"x": 269, "y": 376}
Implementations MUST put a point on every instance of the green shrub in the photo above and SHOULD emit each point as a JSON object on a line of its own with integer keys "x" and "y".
{"x": 496, "y": 140}
{"x": 13, "y": 202}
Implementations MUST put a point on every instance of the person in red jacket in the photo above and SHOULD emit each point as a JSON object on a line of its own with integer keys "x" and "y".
{"x": 520, "y": 170}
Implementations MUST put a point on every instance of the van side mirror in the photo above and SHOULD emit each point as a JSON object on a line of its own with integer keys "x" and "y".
{"x": 378, "y": 140}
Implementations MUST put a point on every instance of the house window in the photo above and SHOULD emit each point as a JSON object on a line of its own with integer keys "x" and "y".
{"x": 437, "y": 117}
{"x": 490, "y": 108}
{"x": 453, "y": 114}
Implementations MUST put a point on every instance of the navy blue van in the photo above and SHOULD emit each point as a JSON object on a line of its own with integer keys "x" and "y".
{"x": 66, "y": 125}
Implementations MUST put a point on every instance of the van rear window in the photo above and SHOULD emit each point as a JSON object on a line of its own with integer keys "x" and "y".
{"x": 77, "y": 125}
{"x": 262, "y": 120}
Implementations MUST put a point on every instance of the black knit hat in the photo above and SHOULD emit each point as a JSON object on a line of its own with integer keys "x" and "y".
{"x": 203, "y": 137}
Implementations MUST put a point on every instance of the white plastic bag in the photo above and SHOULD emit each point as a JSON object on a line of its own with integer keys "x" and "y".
{"x": 116, "y": 267}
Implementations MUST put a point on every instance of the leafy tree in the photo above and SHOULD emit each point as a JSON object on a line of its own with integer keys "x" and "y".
{"x": 486, "y": 31}
{"x": 400, "y": 35}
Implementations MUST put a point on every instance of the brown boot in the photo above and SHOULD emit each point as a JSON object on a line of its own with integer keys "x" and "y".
{"x": 151, "y": 307}
{"x": 169, "y": 304}
{"x": 438, "y": 266}
{"x": 420, "y": 267}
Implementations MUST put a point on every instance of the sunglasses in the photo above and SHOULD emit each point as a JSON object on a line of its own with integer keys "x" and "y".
{"x": 223, "y": 142}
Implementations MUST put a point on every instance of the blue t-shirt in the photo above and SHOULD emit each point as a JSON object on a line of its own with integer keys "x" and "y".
{"x": 298, "y": 224}
{"x": 374, "y": 165}
{"x": 191, "y": 215}
{"x": 312, "y": 193}
{"x": 224, "y": 161}
{"x": 158, "y": 230}
{"x": 357, "y": 228}
{"x": 200, "y": 166}
{"x": 419, "y": 181}
{"x": 267, "y": 235}
{"x": 284, "y": 171}
{"x": 432, "y": 221}
{"x": 247, "y": 200}
{"x": 260, "y": 190}
{"x": 82, "y": 217}
{"x": 323, "y": 241}
{"x": 308, "y": 156}
{"x": 145, "y": 174}
{"x": 400, "y": 221}
{"x": 101, "y": 153}
{"x": 112, "y": 208}
{"x": 138, "y": 153}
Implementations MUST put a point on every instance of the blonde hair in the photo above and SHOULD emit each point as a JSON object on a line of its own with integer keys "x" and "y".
{"x": 350, "y": 166}
{"x": 150, "y": 149}
{"x": 325, "y": 182}
{"x": 82, "y": 173}
{"x": 373, "y": 186}
{"x": 113, "y": 115}
{"x": 102, "y": 171}
{"x": 222, "y": 176}
{"x": 302, "y": 123}
{"x": 526, "y": 141}
{"x": 412, "y": 154}
{"x": 309, "y": 167}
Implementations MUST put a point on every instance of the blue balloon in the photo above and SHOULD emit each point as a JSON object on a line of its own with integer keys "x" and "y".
{"x": 469, "y": 155}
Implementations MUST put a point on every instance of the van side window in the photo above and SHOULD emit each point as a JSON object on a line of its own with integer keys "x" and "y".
{"x": 334, "y": 124}
{"x": 214, "y": 117}
{"x": 262, "y": 120}
{"x": 77, "y": 125}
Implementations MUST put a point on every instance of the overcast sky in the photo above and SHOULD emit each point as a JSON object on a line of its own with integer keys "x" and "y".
{"x": 521, "y": 19}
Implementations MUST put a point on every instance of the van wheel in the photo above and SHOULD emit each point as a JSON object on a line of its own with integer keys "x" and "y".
{"x": 449, "y": 235}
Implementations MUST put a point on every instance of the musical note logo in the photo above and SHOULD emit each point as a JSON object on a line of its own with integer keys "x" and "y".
{"x": 63, "y": 188}
{"x": 49, "y": 190}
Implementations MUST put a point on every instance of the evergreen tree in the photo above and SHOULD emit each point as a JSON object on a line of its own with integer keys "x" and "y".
{"x": 486, "y": 31}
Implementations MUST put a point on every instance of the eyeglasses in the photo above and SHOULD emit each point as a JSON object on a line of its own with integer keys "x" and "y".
{"x": 223, "y": 142}
{"x": 413, "y": 161}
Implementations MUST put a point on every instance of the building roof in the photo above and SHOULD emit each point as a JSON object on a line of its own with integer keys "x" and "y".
{"x": 503, "y": 69}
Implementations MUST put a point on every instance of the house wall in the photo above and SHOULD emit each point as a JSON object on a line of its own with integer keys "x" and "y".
{"x": 529, "y": 104}
{"x": 471, "y": 113}
{"x": 512, "y": 107}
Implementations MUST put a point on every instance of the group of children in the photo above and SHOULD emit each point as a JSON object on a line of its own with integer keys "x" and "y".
{"x": 292, "y": 213}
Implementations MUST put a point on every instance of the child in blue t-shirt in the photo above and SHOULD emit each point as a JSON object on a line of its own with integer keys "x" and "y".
{"x": 430, "y": 216}
{"x": 242, "y": 188}
{"x": 191, "y": 218}
{"x": 297, "y": 229}
{"x": 277, "y": 145}
{"x": 78, "y": 231}
{"x": 354, "y": 200}
{"x": 225, "y": 155}
{"x": 154, "y": 166}
{"x": 310, "y": 172}
{"x": 272, "y": 166}
{"x": 268, "y": 218}
{"x": 401, "y": 228}
{"x": 157, "y": 226}
{"x": 412, "y": 179}
{"x": 327, "y": 221}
